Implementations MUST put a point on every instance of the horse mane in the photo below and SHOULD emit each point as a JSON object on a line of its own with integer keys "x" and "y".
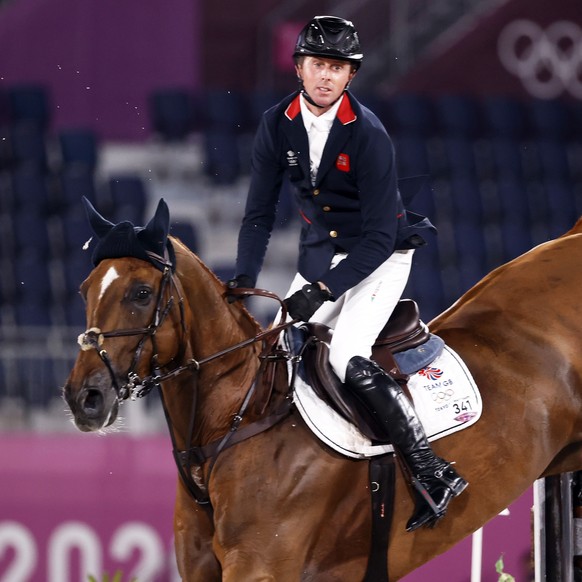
{"x": 242, "y": 313}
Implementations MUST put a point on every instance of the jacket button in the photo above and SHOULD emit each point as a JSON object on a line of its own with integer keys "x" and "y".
{"x": 333, "y": 233}
{"x": 316, "y": 192}
{"x": 326, "y": 208}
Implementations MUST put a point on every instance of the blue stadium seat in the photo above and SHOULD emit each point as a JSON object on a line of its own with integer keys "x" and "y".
{"x": 75, "y": 232}
{"x": 411, "y": 155}
{"x": 79, "y": 147}
{"x": 27, "y": 146}
{"x": 458, "y": 116}
{"x": 32, "y": 303}
{"x": 461, "y": 158}
{"x": 561, "y": 203}
{"x": 259, "y": 101}
{"x": 128, "y": 198}
{"x": 507, "y": 158}
{"x": 172, "y": 113}
{"x": 30, "y": 103}
{"x": 549, "y": 118}
{"x": 410, "y": 114}
{"x": 187, "y": 233}
{"x": 553, "y": 155}
{"x": 31, "y": 235}
{"x": 515, "y": 219}
{"x": 225, "y": 111}
{"x": 222, "y": 157}
{"x": 38, "y": 381}
{"x": 74, "y": 183}
{"x": 31, "y": 191}
{"x": 504, "y": 117}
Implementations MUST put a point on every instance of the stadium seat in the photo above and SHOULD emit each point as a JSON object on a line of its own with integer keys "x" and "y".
{"x": 411, "y": 155}
{"x": 30, "y": 103}
{"x": 31, "y": 191}
{"x": 187, "y": 233}
{"x": 549, "y": 118}
{"x": 79, "y": 147}
{"x": 225, "y": 111}
{"x": 128, "y": 198}
{"x": 457, "y": 116}
{"x": 172, "y": 113}
{"x": 515, "y": 218}
{"x": 27, "y": 146}
{"x": 410, "y": 114}
{"x": 74, "y": 183}
{"x": 561, "y": 205}
{"x": 504, "y": 117}
{"x": 221, "y": 156}
{"x": 460, "y": 156}
{"x": 31, "y": 235}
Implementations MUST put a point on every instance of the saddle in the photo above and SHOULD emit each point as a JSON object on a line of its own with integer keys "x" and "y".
{"x": 403, "y": 331}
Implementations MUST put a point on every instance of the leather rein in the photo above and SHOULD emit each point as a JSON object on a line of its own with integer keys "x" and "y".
{"x": 136, "y": 387}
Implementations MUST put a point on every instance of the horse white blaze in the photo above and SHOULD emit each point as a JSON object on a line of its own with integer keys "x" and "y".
{"x": 108, "y": 278}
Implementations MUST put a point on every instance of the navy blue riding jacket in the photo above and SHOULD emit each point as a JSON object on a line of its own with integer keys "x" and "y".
{"x": 354, "y": 207}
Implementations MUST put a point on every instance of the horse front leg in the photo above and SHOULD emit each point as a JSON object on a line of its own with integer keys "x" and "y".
{"x": 193, "y": 532}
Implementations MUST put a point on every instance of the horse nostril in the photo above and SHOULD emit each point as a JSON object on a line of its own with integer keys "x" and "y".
{"x": 93, "y": 403}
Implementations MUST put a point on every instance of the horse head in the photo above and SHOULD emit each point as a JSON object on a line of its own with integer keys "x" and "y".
{"x": 135, "y": 318}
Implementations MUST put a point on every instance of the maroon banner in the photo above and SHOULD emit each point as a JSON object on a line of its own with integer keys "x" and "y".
{"x": 71, "y": 506}
{"x": 101, "y": 60}
{"x": 74, "y": 506}
{"x": 525, "y": 48}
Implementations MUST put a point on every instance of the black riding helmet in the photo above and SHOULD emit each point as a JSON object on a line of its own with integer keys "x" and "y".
{"x": 330, "y": 37}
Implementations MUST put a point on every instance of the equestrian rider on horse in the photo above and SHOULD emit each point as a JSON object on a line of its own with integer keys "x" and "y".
{"x": 357, "y": 238}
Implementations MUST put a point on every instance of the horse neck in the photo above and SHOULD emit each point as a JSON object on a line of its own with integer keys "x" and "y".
{"x": 213, "y": 325}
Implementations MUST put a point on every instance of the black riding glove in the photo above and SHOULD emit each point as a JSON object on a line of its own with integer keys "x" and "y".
{"x": 305, "y": 302}
{"x": 239, "y": 282}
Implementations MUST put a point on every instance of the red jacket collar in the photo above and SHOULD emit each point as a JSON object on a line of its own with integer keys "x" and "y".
{"x": 345, "y": 113}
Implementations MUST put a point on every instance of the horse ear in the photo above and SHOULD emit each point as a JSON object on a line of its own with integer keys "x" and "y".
{"x": 159, "y": 226}
{"x": 101, "y": 226}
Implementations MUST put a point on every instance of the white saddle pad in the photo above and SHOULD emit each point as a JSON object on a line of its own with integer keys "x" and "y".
{"x": 445, "y": 397}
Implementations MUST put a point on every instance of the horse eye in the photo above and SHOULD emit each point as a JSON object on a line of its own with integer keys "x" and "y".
{"x": 142, "y": 295}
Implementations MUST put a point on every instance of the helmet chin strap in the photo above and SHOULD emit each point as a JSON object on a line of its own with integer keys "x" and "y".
{"x": 310, "y": 100}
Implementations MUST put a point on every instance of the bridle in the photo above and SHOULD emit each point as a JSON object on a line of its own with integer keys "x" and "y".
{"x": 136, "y": 387}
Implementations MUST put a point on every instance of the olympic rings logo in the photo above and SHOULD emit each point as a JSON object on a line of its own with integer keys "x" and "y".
{"x": 547, "y": 61}
{"x": 443, "y": 395}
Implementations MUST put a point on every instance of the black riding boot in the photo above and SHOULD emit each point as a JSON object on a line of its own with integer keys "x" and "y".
{"x": 434, "y": 480}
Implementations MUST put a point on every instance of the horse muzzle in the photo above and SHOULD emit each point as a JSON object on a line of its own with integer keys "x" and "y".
{"x": 93, "y": 407}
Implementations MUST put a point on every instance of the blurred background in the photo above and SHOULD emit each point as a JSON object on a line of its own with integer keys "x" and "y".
{"x": 126, "y": 103}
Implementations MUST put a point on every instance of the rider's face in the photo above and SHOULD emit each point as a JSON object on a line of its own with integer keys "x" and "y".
{"x": 324, "y": 80}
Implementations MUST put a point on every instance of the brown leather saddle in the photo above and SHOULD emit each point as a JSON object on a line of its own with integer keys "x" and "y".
{"x": 404, "y": 330}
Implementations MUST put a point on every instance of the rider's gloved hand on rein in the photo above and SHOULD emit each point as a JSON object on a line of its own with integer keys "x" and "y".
{"x": 239, "y": 282}
{"x": 305, "y": 302}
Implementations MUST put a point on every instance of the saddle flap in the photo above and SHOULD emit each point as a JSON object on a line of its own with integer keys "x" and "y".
{"x": 317, "y": 372}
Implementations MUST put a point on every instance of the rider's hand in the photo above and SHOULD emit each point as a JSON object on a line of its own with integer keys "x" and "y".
{"x": 305, "y": 302}
{"x": 239, "y": 282}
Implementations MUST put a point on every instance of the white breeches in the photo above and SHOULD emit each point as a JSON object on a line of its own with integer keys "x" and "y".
{"x": 359, "y": 315}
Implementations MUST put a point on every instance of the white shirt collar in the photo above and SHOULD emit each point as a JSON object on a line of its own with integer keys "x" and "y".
{"x": 324, "y": 121}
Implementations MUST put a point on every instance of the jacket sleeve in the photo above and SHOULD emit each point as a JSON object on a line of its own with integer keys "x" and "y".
{"x": 380, "y": 209}
{"x": 261, "y": 206}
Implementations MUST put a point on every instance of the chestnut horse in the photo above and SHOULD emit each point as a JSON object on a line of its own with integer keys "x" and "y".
{"x": 285, "y": 507}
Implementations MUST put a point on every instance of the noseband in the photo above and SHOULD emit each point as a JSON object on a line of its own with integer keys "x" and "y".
{"x": 135, "y": 387}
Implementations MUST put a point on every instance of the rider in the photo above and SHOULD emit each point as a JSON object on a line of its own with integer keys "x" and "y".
{"x": 357, "y": 238}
